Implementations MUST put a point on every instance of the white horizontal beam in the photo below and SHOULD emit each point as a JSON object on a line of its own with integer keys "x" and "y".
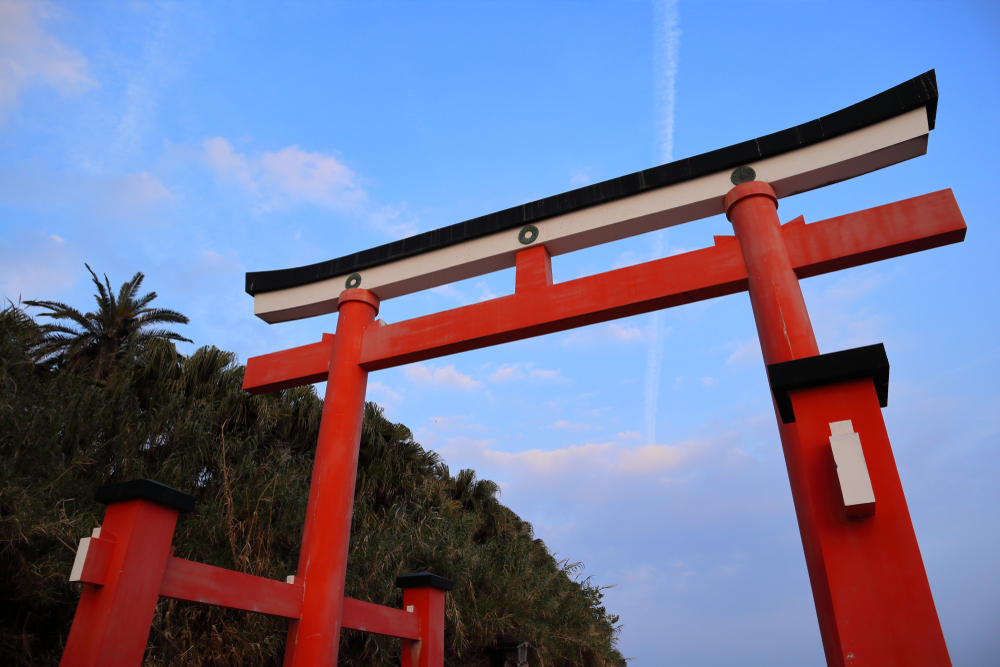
{"x": 846, "y": 156}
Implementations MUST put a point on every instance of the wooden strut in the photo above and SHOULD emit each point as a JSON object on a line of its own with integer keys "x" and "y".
{"x": 539, "y": 307}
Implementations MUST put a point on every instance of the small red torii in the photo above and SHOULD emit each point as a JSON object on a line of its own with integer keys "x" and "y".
{"x": 872, "y": 597}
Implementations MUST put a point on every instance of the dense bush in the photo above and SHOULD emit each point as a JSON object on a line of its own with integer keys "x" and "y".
{"x": 185, "y": 421}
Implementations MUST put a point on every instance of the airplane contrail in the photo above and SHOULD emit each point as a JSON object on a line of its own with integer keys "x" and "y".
{"x": 667, "y": 53}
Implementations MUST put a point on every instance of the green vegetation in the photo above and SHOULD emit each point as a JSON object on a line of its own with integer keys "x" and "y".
{"x": 112, "y": 400}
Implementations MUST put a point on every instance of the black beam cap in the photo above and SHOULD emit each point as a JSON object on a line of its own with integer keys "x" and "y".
{"x": 146, "y": 489}
{"x": 860, "y": 362}
{"x": 423, "y": 580}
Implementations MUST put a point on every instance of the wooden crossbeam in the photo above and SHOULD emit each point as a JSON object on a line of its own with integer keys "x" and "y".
{"x": 842, "y": 242}
{"x": 206, "y": 584}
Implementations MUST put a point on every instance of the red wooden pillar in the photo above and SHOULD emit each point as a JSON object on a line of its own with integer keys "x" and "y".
{"x": 425, "y": 593}
{"x": 313, "y": 640}
{"x": 871, "y": 593}
{"x": 112, "y": 620}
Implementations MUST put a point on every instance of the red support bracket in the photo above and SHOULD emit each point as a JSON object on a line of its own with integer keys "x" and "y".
{"x": 534, "y": 269}
{"x": 93, "y": 559}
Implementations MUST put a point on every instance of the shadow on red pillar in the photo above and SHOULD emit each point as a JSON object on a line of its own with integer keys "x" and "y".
{"x": 112, "y": 621}
{"x": 425, "y": 593}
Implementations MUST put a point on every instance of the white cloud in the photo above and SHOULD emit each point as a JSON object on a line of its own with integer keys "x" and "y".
{"x": 207, "y": 267}
{"x": 446, "y": 377}
{"x": 287, "y": 177}
{"x": 454, "y": 423}
{"x": 853, "y": 286}
{"x": 485, "y": 293}
{"x": 615, "y": 332}
{"x": 581, "y": 177}
{"x": 29, "y": 55}
{"x": 57, "y": 239}
{"x": 451, "y": 292}
{"x": 611, "y": 458}
{"x": 744, "y": 353}
{"x": 562, "y": 423}
{"x": 626, "y": 332}
{"x": 524, "y": 371}
{"x": 127, "y": 197}
{"x": 708, "y": 381}
{"x": 293, "y": 176}
{"x": 630, "y": 435}
{"x": 37, "y": 266}
{"x": 383, "y": 395}
{"x": 650, "y": 459}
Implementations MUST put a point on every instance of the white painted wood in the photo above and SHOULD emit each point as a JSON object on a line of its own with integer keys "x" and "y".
{"x": 81, "y": 558}
{"x": 852, "y": 471}
{"x": 865, "y": 150}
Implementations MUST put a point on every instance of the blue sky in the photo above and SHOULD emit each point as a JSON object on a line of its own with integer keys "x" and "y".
{"x": 195, "y": 142}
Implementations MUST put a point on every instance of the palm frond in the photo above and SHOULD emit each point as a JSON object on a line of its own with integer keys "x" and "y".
{"x": 156, "y": 315}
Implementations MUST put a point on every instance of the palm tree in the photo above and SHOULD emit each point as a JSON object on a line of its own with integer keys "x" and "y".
{"x": 100, "y": 338}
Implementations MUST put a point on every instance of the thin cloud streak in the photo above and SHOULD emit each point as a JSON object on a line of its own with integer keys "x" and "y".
{"x": 668, "y": 43}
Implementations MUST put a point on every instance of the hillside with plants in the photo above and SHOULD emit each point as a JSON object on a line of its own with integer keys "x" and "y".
{"x": 93, "y": 398}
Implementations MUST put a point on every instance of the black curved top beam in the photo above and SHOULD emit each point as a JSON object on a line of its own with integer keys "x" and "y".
{"x": 920, "y": 91}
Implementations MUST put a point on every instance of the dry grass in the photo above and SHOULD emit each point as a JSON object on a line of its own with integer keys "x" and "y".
{"x": 185, "y": 421}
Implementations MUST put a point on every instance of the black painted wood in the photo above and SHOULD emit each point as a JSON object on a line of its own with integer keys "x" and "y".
{"x": 146, "y": 489}
{"x": 861, "y": 362}
{"x": 423, "y": 580}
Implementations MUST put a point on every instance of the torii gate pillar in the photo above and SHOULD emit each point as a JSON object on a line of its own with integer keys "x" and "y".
{"x": 868, "y": 580}
{"x": 315, "y": 638}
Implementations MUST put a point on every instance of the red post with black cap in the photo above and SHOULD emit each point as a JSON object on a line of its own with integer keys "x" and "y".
{"x": 116, "y": 608}
{"x": 423, "y": 594}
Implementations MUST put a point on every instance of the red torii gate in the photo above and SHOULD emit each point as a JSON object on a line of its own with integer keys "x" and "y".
{"x": 872, "y": 597}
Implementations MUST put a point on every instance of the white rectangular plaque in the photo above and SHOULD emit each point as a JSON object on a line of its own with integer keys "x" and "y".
{"x": 855, "y": 482}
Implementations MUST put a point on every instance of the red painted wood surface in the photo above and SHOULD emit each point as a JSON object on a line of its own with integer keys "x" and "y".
{"x": 197, "y": 582}
{"x": 314, "y": 639}
{"x": 534, "y": 269}
{"x": 868, "y": 579}
{"x": 850, "y": 240}
{"x": 883, "y": 232}
{"x": 112, "y": 622}
{"x": 869, "y": 585}
{"x": 429, "y": 651}
{"x": 779, "y": 309}
{"x": 289, "y": 368}
{"x": 380, "y": 620}
{"x": 98, "y": 562}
